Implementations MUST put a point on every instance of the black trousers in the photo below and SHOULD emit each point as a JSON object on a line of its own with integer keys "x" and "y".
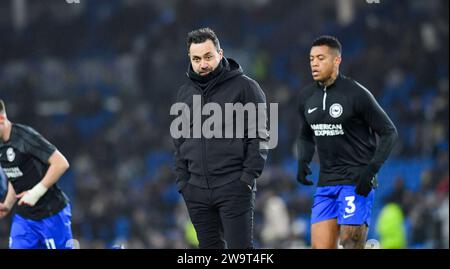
{"x": 223, "y": 216}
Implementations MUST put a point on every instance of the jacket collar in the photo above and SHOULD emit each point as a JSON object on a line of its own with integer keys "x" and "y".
{"x": 337, "y": 81}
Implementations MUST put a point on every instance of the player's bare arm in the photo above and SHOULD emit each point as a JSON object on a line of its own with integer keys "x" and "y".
{"x": 58, "y": 165}
{"x": 8, "y": 203}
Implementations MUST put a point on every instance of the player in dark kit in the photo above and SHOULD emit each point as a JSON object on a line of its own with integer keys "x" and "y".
{"x": 341, "y": 118}
{"x": 33, "y": 166}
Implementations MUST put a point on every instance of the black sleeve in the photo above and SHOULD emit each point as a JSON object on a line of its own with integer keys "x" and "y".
{"x": 379, "y": 121}
{"x": 36, "y": 145}
{"x": 305, "y": 141}
{"x": 256, "y": 148}
{"x": 181, "y": 166}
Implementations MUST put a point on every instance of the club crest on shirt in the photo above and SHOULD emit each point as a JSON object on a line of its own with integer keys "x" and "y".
{"x": 336, "y": 110}
{"x": 10, "y": 154}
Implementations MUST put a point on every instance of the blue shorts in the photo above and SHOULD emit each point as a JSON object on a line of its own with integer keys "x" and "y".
{"x": 343, "y": 203}
{"x": 54, "y": 232}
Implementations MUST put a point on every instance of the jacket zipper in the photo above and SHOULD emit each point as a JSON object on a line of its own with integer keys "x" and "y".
{"x": 205, "y": 168}
{"x": 204, "y": 98}
{"x": 324, "y": 101}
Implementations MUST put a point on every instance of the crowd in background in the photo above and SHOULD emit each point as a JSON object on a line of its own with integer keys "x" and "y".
{"x": 98, "y": 79}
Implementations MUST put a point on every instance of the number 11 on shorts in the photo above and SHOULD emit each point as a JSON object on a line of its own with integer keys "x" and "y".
{"x": 50, "y": 243}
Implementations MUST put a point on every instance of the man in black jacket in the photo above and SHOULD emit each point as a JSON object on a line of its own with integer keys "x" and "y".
{"x": 341, "y": 118}
{"x": 217, "y": 175}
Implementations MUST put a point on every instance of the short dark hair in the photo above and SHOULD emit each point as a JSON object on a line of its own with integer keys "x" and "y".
{"x": 2, "y": 106}
{"x": 201, "y": 35}
{"x": 327, "y": 40}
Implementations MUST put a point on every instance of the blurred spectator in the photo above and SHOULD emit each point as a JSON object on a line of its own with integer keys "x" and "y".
{"x": 275, "y": 229}
{"x": 390, "y": 227}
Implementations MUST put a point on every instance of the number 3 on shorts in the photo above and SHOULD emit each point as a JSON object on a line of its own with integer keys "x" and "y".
{"x": 350, "y": 205}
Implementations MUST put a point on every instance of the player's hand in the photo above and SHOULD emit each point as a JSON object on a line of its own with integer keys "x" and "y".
{"x": 303, "y": 171}
{"x": 365, "y": 180}
{"x": 4, "y": 210}
{"x": 23, "y": 201}
{"x": 26, "y": 199}
{"x": 31, "y": 197}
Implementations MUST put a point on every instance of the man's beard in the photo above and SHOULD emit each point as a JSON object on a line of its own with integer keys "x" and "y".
{"x": 205, "y": 72}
